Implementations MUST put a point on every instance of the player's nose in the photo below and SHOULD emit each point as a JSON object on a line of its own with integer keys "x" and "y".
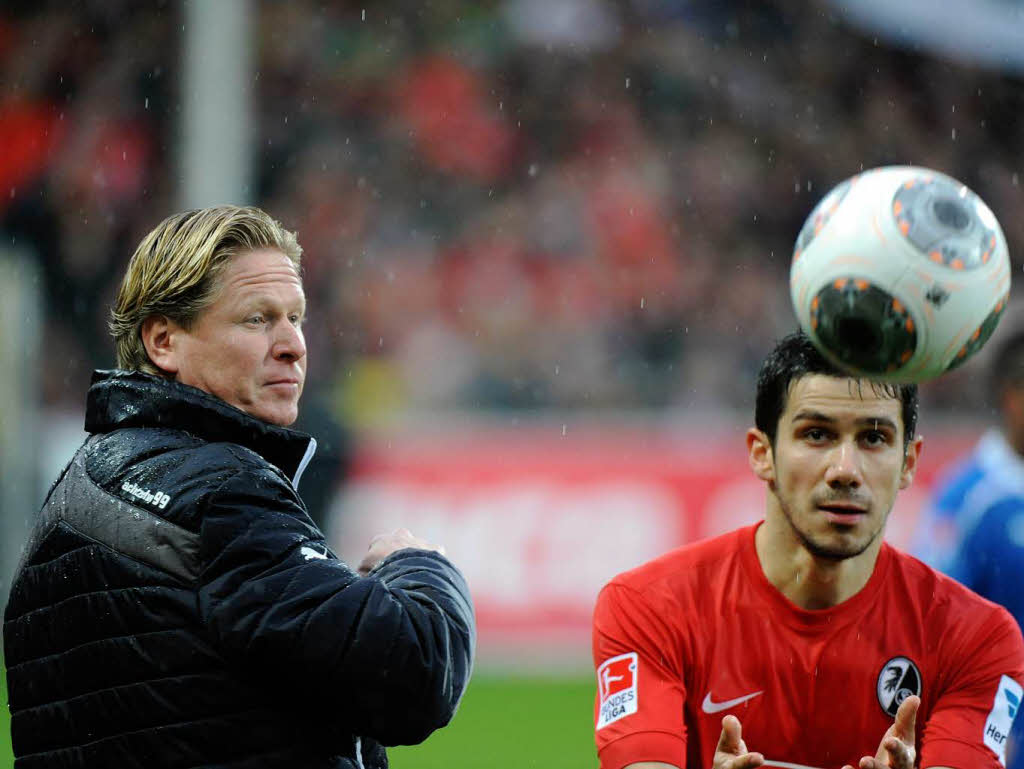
{"x": 844, "y": 466}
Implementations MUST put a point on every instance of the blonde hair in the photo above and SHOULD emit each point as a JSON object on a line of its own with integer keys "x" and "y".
{"x": 175, "y": 271}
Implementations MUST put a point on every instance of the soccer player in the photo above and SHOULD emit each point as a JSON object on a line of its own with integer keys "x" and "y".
{"x": 805, "y": 640}
{"x": 974, "y": 528}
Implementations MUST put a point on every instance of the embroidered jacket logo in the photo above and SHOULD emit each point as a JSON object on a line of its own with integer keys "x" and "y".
{"x": 310, "y": 554}
{"x": 617, "y": 689}
{"x": 155, "y": 498}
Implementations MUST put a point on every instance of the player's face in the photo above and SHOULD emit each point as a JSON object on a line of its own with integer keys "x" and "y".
{"x": 247, "y": 348}
{"x": 837, "y": 463}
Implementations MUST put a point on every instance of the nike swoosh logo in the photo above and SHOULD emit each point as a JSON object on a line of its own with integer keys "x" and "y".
{"x": 715, "y": 707}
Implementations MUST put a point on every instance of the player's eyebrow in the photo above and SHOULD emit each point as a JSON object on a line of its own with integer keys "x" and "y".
{"x": 818, "y": 416}
{"x": 813, "y": 416}
{"x": 878, "y": 422}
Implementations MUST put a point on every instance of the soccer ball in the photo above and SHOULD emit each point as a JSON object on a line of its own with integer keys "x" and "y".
{"x": 900, "y": 274}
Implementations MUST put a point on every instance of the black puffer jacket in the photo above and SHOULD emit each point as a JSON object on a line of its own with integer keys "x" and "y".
{"x": 176, "y": 607}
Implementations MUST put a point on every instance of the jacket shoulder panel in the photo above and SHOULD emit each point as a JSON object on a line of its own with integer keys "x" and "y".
{"x": 171, "y": 473}
{"x": 127, "y": 528}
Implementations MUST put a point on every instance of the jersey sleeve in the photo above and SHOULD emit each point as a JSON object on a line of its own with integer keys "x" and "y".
{"x": 970, "y": 722}
{"x": 638, "y": 709}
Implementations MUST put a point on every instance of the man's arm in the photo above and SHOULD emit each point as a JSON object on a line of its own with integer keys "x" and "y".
{"x": 387, "y": 656}
{"x": 968, "y": 723}
{"x": 638, "y": 709}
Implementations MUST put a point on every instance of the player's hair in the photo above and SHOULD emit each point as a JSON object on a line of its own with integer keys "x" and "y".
{"x": 1007, "y": 366}
{"x": 795, "y": 357}
{"x": 175, "y": 271}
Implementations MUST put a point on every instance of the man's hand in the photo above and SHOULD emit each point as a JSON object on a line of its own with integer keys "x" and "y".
{"x": 731, "y": 752}
{"x": 384, "y": 545}
{"x": 896, "y": 750}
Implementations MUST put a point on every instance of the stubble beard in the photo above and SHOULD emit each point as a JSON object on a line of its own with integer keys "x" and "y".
{"x": 821, "y": 550}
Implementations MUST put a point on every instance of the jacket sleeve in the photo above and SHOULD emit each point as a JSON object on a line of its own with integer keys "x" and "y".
{"x": 386, "y": 656}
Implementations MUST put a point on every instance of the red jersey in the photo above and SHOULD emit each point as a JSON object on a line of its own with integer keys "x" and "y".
{"x": 700, "y": 632}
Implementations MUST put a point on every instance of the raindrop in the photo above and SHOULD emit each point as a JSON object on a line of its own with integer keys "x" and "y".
{"x": 641, "y": 302}
{"x": 627, "y": 83}
{"x": 362, "y": 16}
{"x": 564, "y": 428}
{"x": 954, "y": 134}
{"x": 557, "y": 369}
{"x": 147, "y": 102}
{"x": 534, "y": 170}
{"x": 1015, "y": 180}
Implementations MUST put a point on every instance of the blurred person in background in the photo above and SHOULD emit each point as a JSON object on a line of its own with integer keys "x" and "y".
{"x": 973, "y": 530}
{"x": 175, "y": 605}
{"x": 807, "y": 627}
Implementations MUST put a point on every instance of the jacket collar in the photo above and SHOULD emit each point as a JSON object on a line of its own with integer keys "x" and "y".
{"x": 119, "y": 399}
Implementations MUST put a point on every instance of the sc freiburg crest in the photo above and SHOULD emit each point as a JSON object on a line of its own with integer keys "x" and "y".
{"x": 898, "y": 679}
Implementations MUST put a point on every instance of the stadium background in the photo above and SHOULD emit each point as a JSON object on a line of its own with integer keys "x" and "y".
{"x": 546, "y": 244}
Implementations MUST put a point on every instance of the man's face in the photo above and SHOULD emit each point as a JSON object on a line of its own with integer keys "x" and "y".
{"x": 837, "y": 463}
{"x": 247, "y": 348}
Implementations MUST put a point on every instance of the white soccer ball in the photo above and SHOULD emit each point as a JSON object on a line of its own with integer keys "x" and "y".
{"x": 900, "y": 274}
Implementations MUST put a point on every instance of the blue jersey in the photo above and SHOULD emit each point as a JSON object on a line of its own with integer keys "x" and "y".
{"x": 974, "y": 531}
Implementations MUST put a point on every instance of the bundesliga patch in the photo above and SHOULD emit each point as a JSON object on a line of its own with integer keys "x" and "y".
{"x": 616, "y": 685}
{"x": 1004, "y": 709}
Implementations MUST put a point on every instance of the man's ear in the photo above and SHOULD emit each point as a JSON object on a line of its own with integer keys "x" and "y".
{"x": 910, "y": 457}
{"x": 760, "y": 455}
{"x": 159, "y": 337}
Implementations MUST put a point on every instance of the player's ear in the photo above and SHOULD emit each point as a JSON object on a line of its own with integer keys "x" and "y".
{"x": 760, "y": 455}
{"x": 158, "y": 335}
{"x": 910, "y": 457}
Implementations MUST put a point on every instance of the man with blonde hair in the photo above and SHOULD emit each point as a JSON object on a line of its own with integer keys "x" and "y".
{"x": 175, "y": 605}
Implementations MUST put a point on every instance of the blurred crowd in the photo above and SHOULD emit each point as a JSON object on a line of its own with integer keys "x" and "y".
{"x": 518, "y": 204}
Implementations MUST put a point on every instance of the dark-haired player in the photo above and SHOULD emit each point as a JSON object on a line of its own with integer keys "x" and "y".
{"x": 805, "y": 640}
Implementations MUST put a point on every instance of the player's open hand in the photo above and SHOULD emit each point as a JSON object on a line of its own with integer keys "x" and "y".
{"x": 731, "y": 752}
{"x": 384, "y": 545}
{"x": 896, "y": 750}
